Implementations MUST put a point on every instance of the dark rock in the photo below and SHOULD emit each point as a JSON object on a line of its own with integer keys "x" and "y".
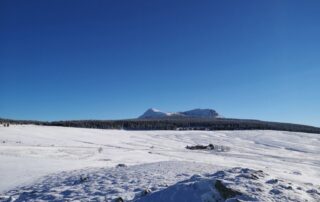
{"x": 313, "y": 191}
{"x": 248, "y": 176}
{"x": 275, "y": 191}
{"x": 224, "y": 191}
{"x": 121, "y": 165}
{"x": 146, "y": 192}
{"x": 286, "y": 187}
{"x": 211, "y": 146}
{"x": 296, "y": 172}
{"x": 272, "y": 181}
{"x": 119, "y": 199}
{"x": 258, "y": 189}
{"x": 83, "y": 179}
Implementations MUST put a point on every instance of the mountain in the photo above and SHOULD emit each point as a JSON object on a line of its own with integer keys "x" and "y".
{"x": 195, "y": 113}
{"x": 201, "y": 113}
{"x": 153, "y": 113}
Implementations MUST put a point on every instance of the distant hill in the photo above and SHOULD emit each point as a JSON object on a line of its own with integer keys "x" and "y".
{"x": 195, "y": 113}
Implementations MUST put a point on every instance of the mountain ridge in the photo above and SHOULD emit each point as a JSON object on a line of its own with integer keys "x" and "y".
{"x": 153, "y": 113}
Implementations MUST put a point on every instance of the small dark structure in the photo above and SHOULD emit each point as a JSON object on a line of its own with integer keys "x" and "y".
{"x": 201, "y": 147}
{"x": 218, "y": 148}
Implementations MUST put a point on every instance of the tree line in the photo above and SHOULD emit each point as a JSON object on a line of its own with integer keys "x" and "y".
{"x": 176, "y": 124}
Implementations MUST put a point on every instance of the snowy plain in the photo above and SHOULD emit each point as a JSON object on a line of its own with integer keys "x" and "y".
{"x": 45, "y": 159}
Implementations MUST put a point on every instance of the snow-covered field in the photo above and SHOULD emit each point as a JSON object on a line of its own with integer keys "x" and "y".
{"x": 57, "y": 164}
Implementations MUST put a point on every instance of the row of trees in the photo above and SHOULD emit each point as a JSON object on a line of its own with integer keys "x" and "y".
{"x": 177, "y": 124}
{"x": 188, "y": 124}
{"x": 5, "y": 124}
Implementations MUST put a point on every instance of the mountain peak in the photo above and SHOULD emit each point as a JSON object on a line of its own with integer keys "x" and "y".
{"x": 201, "y": 113}
{"x": 153, "y": 113}
{"x": 153, "y": 110}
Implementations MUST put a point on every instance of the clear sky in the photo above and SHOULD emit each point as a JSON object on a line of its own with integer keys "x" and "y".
{"x": 114, "y": 59}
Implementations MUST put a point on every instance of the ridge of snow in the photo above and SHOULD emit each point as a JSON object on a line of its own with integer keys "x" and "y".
{"x": 169, "y": 181}
{"x": 235, "y": 184}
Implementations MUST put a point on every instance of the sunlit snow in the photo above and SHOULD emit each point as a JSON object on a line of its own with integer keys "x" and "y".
{"x": 42, "y": 161}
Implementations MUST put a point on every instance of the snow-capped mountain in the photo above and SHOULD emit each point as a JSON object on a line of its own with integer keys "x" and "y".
{"x": 154, "y": 113}
{"x": 195, "y": 113}
{"x": 201, "y": 113}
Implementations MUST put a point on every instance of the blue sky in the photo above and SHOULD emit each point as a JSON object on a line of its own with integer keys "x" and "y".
{"x": 114, "y": 59}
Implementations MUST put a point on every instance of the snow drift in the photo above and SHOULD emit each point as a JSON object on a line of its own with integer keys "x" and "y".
{"x": 171, "y": 181}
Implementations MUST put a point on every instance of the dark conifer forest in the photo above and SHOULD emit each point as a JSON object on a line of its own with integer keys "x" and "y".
{"x": 174, "y": 124}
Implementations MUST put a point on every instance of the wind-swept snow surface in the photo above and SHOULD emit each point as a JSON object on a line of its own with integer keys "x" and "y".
{"x": 156, "y": 182}
{"x": 42, "y": 161}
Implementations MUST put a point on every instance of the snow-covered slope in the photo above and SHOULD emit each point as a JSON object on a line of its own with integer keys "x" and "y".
{"x": 154, "y": 113}
{"x": 45, "y": 161}
{"x": 236, "y": 184}
{"x": 201, "y": 113}
{"x": 157, "y": 182}
{"x": 195, "y": 113}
